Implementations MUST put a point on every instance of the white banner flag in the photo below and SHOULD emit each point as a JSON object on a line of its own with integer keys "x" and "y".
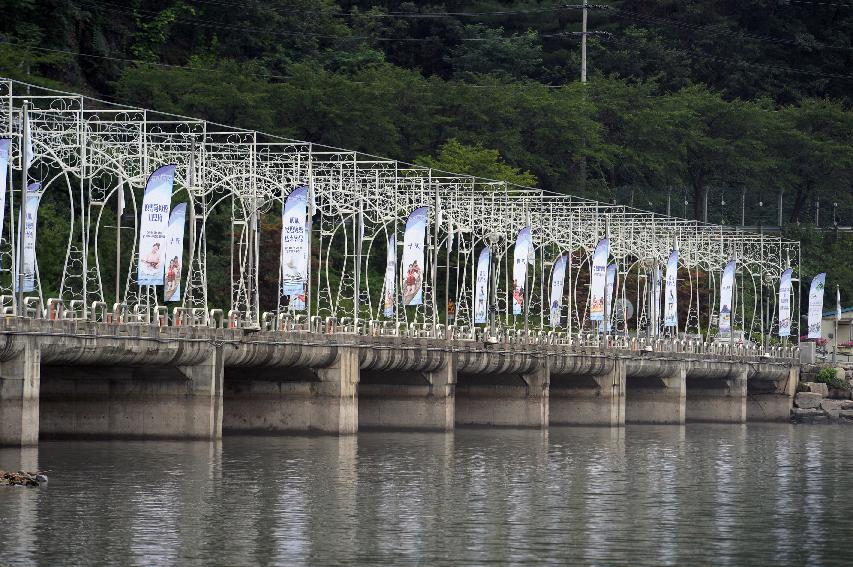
{"x": 785, "y": 303}
{"x": 294, "y": 246}
{"x": 413, "y": 257}
{"x": 558, "y": 277}
{"x": 390, "y": 301}
{"x": 520, "y": 259}
{"x": 837, "y": 303}
{"x": 816, "y": 305}
{"x": 598, "y": 280}
{"x": 154, "y": 225}
{"x": 481, "y": 291}
{"x": 175, "y": 253}
{"x": 34, "y": 194}
{"x": 670, "y": 310}
{"x": 726, "y": 289}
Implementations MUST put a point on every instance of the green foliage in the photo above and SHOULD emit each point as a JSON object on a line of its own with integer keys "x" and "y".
{"x": 828, "y": 376}
{"x": 694, "y": 96}
{"x": 476, "y": 160}
{"x": 489, "y": 51}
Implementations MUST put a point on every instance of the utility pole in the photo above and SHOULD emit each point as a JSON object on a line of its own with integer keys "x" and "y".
{"x": 583, "y": 43}
{"x": 817, "y": 212}
{"x": 669, "y": 202}
{"x": 779, "y": 211}
{"x": 705, "y": 206}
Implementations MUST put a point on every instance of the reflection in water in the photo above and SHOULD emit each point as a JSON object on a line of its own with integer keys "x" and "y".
{"x": 656, "y": 495}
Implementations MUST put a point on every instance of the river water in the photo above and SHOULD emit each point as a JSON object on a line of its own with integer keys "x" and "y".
{"x": 700, "y": 494}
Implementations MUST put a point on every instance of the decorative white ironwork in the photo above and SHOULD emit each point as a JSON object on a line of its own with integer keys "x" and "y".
{"x": 235, "y": 182}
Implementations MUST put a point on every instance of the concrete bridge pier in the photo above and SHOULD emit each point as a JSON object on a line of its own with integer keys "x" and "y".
{"x": 587, "y": 390}
{"x": 770, "y": 393}
{"x": 295, "y": 389}
{"x": 656, "y": 396}
{"x": 719, "y": 398}
{"x": 421, "y": 399}
{"x": 155, "y": 401}
{"x": 503, "y": 389}
{"x": 19, "y": 391}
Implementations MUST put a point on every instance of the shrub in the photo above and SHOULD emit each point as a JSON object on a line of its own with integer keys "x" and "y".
{"x": 828, "y": 376}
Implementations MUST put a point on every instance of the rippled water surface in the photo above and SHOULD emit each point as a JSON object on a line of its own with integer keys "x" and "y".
{"x": 727, "y": 495}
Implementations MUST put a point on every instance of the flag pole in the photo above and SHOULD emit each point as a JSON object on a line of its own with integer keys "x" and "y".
{"x": 837, "y": 317}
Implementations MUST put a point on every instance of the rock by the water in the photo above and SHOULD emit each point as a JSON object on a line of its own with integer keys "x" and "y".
{"x": 831, "y": 405}
{"x": 817, "y": 388}
{"x": 809, "y": 414}
{"x": 22, "y": 478}
{"x": 808, "y": 400}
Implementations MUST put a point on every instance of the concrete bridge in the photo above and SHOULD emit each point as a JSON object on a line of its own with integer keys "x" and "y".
{"x": 80, "y": 378}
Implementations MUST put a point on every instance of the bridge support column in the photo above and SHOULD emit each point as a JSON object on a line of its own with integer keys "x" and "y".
{"x": 656, "y": 399}
{"x": 512, "y": 400}
{"x": 409, "y": 400}
{"x": 772, "y": 399}
{"x": 271, "y": 400}
{"x": 720, "y": 400}
{"x": 20, "y": 382}
{"x": 582, "y": 399}
{"x": 136, "y": 402}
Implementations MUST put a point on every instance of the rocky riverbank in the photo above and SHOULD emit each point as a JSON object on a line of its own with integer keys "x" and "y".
{"x": 22, "y": 478}
{"x": 819, "y": 403}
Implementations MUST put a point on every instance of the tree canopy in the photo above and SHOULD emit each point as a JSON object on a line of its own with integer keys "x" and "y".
{"x": 703, "y": 101}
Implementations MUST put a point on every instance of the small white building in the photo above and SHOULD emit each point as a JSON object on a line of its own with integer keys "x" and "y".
{"x": 845, "y": 332}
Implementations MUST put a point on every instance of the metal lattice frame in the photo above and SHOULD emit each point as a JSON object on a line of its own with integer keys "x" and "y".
{"x": 91, "y": 150}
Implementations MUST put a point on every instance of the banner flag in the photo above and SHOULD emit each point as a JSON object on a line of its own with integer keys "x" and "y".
{"x": 390, "y": 300}
{"x": 154, "y": 225}
{"x": 175, "y": 253}
{"x": 481, "y": 292}
{"x": 816, "y": 305}
{"x": 413, "y": 257}
{"x": 29, "y": 154}
{"x": 29, "y": 241}
{"x": 726, "y": 287}
{"x": 5, "y": 154}
{"x": 294, "y": 245}
{"x": 598, "y": 280}
{"x": 520, "y": 259}
{"x": 785, "y": 303}
{"x": 837, "y": 303}
{"x": 610, "y": 282}
{"x": 558, "y": 277}
{"x": 670, "y": 311}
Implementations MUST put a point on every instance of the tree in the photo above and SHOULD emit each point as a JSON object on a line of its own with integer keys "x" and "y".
{"x": 487, "y": 51}
{"x": 814, "y": 145}
{"x": 456, "y": 157}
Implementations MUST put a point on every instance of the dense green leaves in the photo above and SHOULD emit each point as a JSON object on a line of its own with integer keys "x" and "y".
{"x": 702, "y": 98}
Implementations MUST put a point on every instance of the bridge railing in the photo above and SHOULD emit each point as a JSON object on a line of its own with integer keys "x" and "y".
{"x": 297, "y": 323}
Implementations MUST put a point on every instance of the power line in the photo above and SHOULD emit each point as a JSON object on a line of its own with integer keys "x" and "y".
{"x": 146, "y": 14}
{"x": 710, "y": 30}
{"x": 730, "y": 61}
{"x": 416, "y": 15}
{"x": 448, "y": 84}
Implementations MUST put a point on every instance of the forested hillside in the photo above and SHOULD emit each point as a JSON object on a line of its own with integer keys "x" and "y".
{"x": 727, "y": 98}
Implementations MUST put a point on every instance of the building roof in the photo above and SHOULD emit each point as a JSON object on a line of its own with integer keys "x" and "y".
{"x": 831, "y": 312}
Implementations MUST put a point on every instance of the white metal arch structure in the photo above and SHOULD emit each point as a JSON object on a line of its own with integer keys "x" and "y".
{"x": 235, "y": 182}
